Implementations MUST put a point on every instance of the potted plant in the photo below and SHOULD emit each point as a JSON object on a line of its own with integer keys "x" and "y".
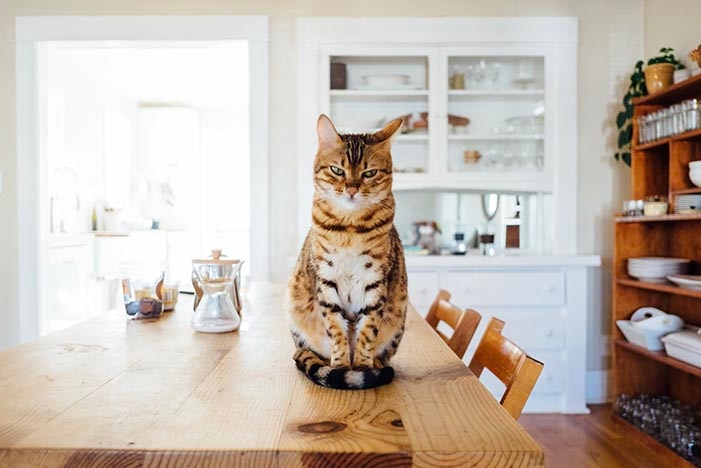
{"x": 639, "y": 86}
{"x": 659, "y": 73}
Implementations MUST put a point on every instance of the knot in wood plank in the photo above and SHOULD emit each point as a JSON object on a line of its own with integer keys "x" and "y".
{"x": 322, "y": 427}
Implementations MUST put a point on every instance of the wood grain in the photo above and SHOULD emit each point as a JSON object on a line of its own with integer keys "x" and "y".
{"x": 113, "y": 391}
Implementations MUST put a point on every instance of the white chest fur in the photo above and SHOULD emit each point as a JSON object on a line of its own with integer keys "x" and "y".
{"x": 351, "y": 272}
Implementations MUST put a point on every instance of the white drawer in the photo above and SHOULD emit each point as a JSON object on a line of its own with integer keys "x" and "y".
{"x": 506, "y": 288}
{"x": 530, "y": 328}
{"x": 423, "y": 287}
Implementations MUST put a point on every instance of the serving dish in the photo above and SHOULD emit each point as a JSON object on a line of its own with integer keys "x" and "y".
{"x": 692, "y": 282}
{"x": 684, "y": 345}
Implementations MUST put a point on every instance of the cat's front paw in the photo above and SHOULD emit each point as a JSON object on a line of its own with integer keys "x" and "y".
{"x": 343, "y": 361}
{"x": 362, "y": 362}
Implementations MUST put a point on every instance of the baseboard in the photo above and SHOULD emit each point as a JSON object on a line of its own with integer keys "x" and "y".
{"x": 598, "y": 387}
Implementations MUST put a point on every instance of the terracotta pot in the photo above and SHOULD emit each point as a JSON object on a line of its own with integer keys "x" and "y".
{"x": 658, "y": 77}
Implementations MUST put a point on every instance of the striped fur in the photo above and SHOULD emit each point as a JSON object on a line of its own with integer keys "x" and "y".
{"x": 347, "y": 296}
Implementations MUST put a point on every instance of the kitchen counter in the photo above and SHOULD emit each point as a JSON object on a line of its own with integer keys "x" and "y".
{"x": 502, "y": 260}
{"x": 112, "y": 391}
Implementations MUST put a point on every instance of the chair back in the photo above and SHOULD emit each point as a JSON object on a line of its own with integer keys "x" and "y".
{"x": 509, "y": 363}
{"x": 463, "y": 322}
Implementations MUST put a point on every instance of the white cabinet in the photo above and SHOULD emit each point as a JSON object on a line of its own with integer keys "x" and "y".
{"x": 513, "y": 79}
{"x": 542, "y": 300}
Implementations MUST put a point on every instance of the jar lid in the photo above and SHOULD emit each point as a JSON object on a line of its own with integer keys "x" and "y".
{"x": 216, "y": 259}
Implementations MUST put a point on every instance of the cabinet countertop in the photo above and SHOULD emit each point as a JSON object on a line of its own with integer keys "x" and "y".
{"x": 516, "y": 260}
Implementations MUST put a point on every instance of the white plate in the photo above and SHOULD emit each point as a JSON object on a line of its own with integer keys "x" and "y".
{"x": 692, "y": 282}
{"x": 656, "y": 280}
{"x": 396, "y": 87}
{"x": 658, "y": 260}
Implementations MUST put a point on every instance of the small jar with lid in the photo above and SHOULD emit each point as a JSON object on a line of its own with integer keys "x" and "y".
{"x": 655, "y": 205}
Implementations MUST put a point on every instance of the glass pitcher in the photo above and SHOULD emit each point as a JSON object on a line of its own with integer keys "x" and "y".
{"x": 216, "y": 277}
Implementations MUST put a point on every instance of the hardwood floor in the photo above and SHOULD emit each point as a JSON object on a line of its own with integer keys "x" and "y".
{"x": 598, "y": 439}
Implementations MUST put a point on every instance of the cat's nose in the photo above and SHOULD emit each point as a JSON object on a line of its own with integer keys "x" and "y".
{"x": 352, "y": 191}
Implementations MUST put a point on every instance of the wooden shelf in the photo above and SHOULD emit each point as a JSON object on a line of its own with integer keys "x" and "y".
{"x": 686, "y": 136}
{"x": 661, "y": 287}
{"x": 688, "y": 191}
{"x": 659, "y": 356}
{"x": 673, "y": 94}
{"x": 659, "y": 219}
{"x": 674, "y": 458}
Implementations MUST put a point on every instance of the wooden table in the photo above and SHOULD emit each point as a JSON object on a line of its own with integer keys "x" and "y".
{"x": 112, "y": 391}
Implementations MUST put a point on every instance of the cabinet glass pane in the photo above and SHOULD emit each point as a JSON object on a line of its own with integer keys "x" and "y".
{"x": 503, "y": 99}
{"x": 369, "y": 91}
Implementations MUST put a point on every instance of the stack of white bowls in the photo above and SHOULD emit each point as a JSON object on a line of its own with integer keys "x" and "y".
{"x": 656, "y": 269}
{"x": 695, "y": 172}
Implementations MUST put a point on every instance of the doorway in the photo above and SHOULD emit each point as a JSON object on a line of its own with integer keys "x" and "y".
{"x": 142, "y": 156}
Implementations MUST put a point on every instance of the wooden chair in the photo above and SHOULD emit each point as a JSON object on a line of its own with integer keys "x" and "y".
{"x": 463, "y": 322}
{"x": 510, "y": 364}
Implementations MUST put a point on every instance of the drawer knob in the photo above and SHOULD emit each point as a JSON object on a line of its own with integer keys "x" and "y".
{"x": 549, "y": 333}
{"x": 423, "y": 290}
{"x": 552, "y": 288}
{"x": 466, "y": 290}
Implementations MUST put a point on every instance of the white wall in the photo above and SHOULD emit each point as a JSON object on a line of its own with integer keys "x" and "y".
{"x": 610, "y": 42}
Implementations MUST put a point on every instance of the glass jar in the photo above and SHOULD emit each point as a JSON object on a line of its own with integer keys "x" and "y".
{"x": 693, "y": 117}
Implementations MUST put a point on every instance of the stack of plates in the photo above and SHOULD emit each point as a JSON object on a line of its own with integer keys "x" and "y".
{"x": 687, "y": 203}
{"x": 656, "y": 269}
{"x": 692, "y": 282}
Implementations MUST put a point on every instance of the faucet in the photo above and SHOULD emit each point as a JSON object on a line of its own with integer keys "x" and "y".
{"x": 56, "y": 199}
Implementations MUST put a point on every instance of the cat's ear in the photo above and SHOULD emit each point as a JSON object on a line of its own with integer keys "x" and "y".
{"x": 386, "y": 133}
{"x": 328, "y": 136}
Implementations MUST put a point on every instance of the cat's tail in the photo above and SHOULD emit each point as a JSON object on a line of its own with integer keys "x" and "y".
{"x": 319, "y": 372}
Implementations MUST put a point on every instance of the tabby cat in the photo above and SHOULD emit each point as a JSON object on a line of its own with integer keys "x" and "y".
{"x": 347, "y": 297}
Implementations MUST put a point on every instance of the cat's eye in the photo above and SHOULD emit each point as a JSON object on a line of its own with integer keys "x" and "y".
{"x": 337, "y": 170}
{"x": 370, "y": 173}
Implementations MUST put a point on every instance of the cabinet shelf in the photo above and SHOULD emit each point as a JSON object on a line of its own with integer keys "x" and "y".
{"x": 477, "y": 181}
{"x": 659, "y": 356}
{"x": 660, "y": 287}
{"x": 378, "y": 94}
{"x": 686, "y": 136}
{"x": 514, "y": 136}
{"x": 660, "y": 219}
{"x": 496, "y": 93}
{"x": 673, "y": 94}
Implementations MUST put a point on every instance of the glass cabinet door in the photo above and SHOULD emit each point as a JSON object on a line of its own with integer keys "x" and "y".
{"x": 496, "y": 113}
{"x": 367, "y": 89}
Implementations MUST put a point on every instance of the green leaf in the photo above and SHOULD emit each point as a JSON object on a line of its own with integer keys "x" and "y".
{"x": 626, "y": 157}
{"x": 624, "y": 137}
{"x": 621, "y": 119}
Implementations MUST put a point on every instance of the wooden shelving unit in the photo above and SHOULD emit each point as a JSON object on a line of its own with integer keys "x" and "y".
{"x": 658, "y": 168}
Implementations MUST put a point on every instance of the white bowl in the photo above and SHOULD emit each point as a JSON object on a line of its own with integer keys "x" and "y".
{"x": 695, "y": 177}
{"x": 694, "y": 164}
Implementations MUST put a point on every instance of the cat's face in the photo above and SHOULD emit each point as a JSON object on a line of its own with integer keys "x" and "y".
{"x": 353, "y": 171}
